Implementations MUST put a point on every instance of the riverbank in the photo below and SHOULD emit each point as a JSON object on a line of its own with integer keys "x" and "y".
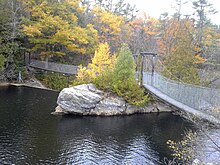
{"x": 32, "y": 83}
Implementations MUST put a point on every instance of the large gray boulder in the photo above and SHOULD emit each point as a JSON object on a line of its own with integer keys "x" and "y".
{"x": 86, "y": 99}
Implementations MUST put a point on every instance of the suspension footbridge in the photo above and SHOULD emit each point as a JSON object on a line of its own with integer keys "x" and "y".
{"x": 196, "y": 100}
{"x": 54, "y": 67}
{"x": 200, "y": 101}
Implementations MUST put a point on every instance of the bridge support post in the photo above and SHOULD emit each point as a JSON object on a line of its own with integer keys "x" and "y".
{"x": 153, "y": 67}
{"x": 143, "y": 56}
{"x": 138, "y": 61}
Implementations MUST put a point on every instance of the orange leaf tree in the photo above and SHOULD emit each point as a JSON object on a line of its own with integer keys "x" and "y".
{"x": 181, "y": 62}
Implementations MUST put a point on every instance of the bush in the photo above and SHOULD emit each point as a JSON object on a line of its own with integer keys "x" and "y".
{"x": 184, "y": 150}
{"x": 2, "y": 62}
{"x": 104, "y": 80}
{"x": 55, "y": 81}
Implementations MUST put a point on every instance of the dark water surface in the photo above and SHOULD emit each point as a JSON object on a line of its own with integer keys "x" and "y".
{"x": 30, "y": 135}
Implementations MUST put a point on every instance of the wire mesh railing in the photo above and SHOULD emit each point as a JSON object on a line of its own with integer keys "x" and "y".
{"x": 199, "y": 98}
{"x": 54, "y": 67}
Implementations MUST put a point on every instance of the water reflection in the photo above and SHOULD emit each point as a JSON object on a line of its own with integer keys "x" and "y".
{"x": 30, "y": 135}
{"x": 207, "y": 146}
{"x": 137, "y": 138}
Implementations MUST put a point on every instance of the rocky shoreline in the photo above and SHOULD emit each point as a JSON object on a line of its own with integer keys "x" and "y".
{"x": 33, "y": 83}
{"x": 86, "y": 99}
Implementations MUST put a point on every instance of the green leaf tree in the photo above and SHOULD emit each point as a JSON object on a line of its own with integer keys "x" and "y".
{"x": 124, "y": 79}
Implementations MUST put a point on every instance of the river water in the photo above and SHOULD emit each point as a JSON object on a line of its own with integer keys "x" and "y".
{"x": 29, "y": 134}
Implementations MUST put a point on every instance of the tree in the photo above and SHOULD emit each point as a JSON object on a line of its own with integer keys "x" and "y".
{"x": 108, "y": 26}
{"x": 124, "y": 67}
{"x": 143, "y": 32}
{"x": 168, "y": 29}
{"x": 101, "y": 61}
{"x": 2, "y": 62}
{"x": 118, "y": 7}
{"x": 10, "y": 21}
{"x": 111, "y": 19}
{"x": 124, "y": 79}
{"x": 53, "y": 28}
{"x": 180, "y": 4}
{"x": 181, "y": 63}
{"x": 202, "y": 8}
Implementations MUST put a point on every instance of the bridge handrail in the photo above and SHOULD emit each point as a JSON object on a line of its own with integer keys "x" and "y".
{"x": 192, "y": 85}
{"x": 197, "y": 97}
{"x": 52, "y": 66}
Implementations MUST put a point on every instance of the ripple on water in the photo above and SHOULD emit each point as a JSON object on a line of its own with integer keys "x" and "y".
{"x": 30, "y": 135}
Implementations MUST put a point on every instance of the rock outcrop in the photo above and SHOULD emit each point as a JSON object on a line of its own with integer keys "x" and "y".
{"x": 86, "y": 99}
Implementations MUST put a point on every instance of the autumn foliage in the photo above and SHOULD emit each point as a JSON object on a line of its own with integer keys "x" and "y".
{"x": 117, "y": 76}
{"x": 53, "y": 28}
{"x": 69, "y": 31}
{"x": 101, "y": 61}
{"x": 180, "y": 52}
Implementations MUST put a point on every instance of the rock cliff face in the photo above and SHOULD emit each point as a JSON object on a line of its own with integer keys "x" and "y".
{"x": 86, "y": 99}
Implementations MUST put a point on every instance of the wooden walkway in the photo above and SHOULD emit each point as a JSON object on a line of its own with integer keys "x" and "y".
{"x": 54, "y": 67}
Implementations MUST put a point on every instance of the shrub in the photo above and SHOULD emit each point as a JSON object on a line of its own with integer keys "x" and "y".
{"x": 2, "y": 62}
{"x": 56, "y": 81}
{"x": 104, "y": 80}
{"x": 184, "y": 150}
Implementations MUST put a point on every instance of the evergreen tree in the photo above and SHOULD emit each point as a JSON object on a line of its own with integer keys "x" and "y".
{"x": 10, "y": 47}
{"x": 2, "y": 62}
{"x": 124, "y": 79}
{"x": 202, "y": 9}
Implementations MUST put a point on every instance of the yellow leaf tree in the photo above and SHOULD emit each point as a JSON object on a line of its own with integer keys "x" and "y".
{"x": 101, "y": 61}
{"x": 53, "y": 28}
{"x": 108, "y": 26}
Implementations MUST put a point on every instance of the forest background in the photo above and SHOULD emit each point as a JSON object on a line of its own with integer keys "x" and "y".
{"x": 69, "y": 32}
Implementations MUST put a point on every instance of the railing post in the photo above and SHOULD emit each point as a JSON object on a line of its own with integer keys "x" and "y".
{"x": 46, "y": 62}
{"x": 142, "y": 73}
{"x": 27, "y": 58}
